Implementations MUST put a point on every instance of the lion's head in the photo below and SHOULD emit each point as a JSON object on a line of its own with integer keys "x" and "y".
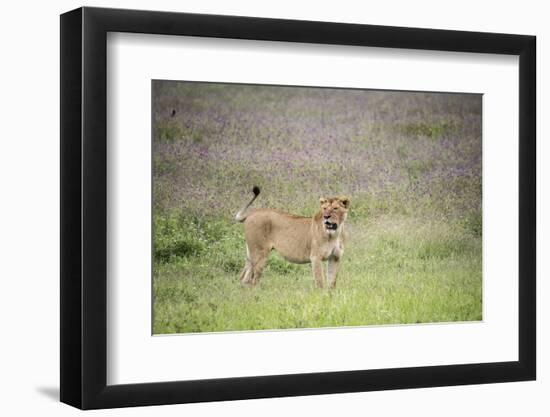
{"x": 334, "y": 211}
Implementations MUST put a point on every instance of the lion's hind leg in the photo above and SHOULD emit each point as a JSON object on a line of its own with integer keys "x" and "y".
{"x": 247, "y": 273}
{"x": 256, "y": 261}
{"x": 258, "y": 267}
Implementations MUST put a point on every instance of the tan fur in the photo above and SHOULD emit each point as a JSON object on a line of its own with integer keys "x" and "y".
{"x": 297, "y": 239}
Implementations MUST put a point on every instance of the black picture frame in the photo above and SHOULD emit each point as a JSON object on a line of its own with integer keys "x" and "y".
{"x": 84, "y": 207}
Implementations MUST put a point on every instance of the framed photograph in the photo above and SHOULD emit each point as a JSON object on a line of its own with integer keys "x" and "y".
{"x": 257, "y": 208}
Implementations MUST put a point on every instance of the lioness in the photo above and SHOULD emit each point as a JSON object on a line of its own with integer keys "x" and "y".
{"x": 298, "y": 239}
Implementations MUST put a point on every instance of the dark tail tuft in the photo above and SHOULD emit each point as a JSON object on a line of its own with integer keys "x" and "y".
{"x": 242, "y": 214}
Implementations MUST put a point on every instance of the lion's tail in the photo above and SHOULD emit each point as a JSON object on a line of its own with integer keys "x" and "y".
{"x": 242, "y": 214}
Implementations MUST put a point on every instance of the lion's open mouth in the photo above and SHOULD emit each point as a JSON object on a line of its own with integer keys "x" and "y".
{"x": 330, "y": 225}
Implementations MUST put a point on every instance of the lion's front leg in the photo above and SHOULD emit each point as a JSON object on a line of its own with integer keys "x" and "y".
{"x": 317, "y": 266}
{"x": 333, "y": 265}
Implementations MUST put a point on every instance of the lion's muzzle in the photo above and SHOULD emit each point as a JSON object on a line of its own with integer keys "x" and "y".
{"x": 330, "y": 225}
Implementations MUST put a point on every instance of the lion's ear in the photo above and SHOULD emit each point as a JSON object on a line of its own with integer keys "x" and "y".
{"x": 322, "y": 200}
{"x": 345, "y": 201}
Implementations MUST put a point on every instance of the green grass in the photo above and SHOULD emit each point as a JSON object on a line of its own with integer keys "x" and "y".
{"x": 396, "y": 269}
{"x": 429, "y": 130}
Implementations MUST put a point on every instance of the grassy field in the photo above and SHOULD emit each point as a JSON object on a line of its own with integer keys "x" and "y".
{"x": 411, "y": 163}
